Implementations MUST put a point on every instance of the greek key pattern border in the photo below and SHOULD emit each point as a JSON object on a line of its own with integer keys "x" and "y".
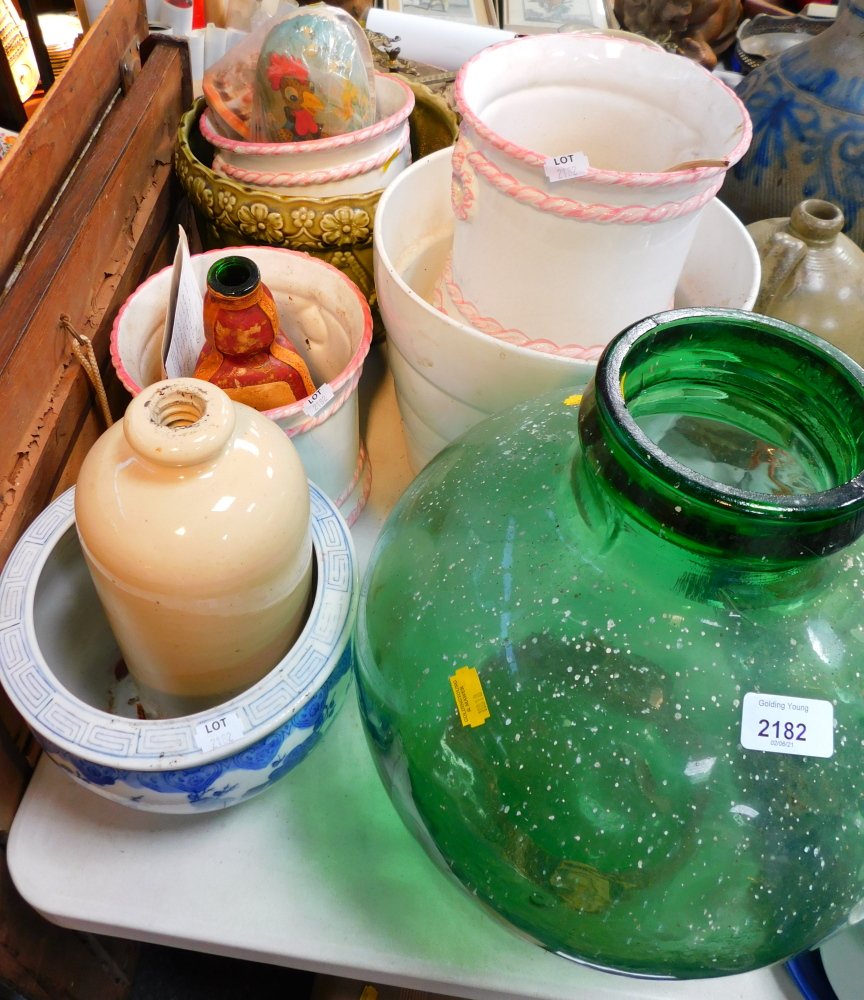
{"x": 77, "y": 727}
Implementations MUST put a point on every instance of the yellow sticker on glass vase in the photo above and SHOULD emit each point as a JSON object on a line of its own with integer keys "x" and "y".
{"x": 470, "y": 700}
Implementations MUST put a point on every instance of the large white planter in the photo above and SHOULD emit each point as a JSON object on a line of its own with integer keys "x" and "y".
{"x": 575, "y": 261}
{"x": 449, "y": 375}
{"x": 353, "y": 163}
{"x": 327, "y": 319}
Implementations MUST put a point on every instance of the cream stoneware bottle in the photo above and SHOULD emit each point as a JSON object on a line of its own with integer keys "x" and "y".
{"x": 193, "y": 514}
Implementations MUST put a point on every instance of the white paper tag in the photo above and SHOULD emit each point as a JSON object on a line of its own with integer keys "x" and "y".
{"x": 318, "y": 400}
{"x": 779, "y": 724}
{"x": 219, "y": 731}
{"x": 563, "y": 168}
{"x": 184, "y": 322}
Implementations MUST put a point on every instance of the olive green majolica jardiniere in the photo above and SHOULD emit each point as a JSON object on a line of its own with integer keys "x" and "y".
{"x": 337, "y": 229}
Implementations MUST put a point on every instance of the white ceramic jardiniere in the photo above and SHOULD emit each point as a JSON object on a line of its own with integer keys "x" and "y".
{"x": 327, "y": 320}
{"x": 574, "y": 261}
{"x": 449, "y": 375}
{"x": 59, "y": 665}
{"x": 352, "y": 163}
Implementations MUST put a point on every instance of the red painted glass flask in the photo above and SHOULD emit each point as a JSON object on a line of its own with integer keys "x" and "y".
{"x": 246, "y": 353}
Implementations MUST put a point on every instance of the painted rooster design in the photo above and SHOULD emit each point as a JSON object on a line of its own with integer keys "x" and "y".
{"x": 291, "y": 78}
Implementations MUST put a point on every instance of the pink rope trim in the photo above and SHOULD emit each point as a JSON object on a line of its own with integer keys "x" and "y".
{"x": 307, "y": 177}
{"x": 339, "y": 400}
{"x": 485, "y": 324}
{"x": 462, "y": 192}
{"x": 355, "y": 479}
{"x": 595, "y": 175}
{"x": 526, "y": 195}
{"x": 352, "y": 370}
{"x": 352, "y": 516}
{"x": 312, "y": 145}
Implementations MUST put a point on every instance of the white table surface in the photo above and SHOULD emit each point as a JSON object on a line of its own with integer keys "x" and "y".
{"x": 317, "y": 873}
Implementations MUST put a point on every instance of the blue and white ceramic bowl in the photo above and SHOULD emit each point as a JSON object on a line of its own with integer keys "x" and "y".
{"x": 59, "y": 664}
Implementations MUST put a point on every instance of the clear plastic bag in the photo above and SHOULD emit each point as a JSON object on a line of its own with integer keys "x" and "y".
{"x": 229, "y": 83}
{"x": 307, "y": 74}
{"x": 314, "y": 78}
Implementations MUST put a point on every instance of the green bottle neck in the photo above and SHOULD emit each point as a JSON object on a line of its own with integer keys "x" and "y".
{"x": 732, "y": 436}
{"x": 233, "y": 277}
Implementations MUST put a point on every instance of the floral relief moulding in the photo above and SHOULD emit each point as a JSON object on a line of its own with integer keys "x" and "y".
{"x": 308, "y": 227}
{"x": 302, "y": 218}
{"x": 337, "y": 228}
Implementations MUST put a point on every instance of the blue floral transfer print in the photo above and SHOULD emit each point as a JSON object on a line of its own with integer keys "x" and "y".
{"x": 96, "y": 774}
{"x": 261, "y": 754}
{"x": 806, "y": 116}
{"x": 194, "y": 781}
{"x": 204, "y": 783}
{"x": 780, "y": 121}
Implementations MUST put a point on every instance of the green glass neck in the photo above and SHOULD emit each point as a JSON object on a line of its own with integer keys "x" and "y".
{"x": 235, "y": 277}
{"x": 768, "y": 403}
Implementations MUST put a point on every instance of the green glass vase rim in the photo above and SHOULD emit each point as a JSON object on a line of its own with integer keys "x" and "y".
{"x": 845, "y": 498}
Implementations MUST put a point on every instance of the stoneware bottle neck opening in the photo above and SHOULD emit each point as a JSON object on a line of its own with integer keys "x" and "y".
{"x": 182, "y": 422}
{"x": 817, "y": 222}
{"x": 740, "y": 402}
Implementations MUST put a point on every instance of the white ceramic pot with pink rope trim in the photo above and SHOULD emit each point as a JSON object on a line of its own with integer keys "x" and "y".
{"x": 450, "y": 375}
{"x": 327, "y": 319}
{"x": 574, "y": 261}
{"x": 353, "y": 163}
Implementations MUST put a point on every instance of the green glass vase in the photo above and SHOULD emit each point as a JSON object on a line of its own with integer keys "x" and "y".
{"x": 634, "y": 579}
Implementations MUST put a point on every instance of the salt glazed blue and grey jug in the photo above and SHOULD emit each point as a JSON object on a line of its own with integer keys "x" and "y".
{"x": 807, "y": 107}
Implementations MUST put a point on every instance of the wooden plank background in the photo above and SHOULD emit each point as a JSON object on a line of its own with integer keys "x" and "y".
{"x": 62, "y": 126}
{"x": 97, "y": 245}
{"x": 90, "y": 205}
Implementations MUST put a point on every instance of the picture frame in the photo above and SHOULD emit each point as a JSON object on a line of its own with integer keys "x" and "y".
{"x": 483, "y": 12}
{"x": 535, "y": 17}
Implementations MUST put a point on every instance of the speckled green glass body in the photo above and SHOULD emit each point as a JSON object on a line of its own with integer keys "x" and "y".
{"x": 621, "y": 574}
